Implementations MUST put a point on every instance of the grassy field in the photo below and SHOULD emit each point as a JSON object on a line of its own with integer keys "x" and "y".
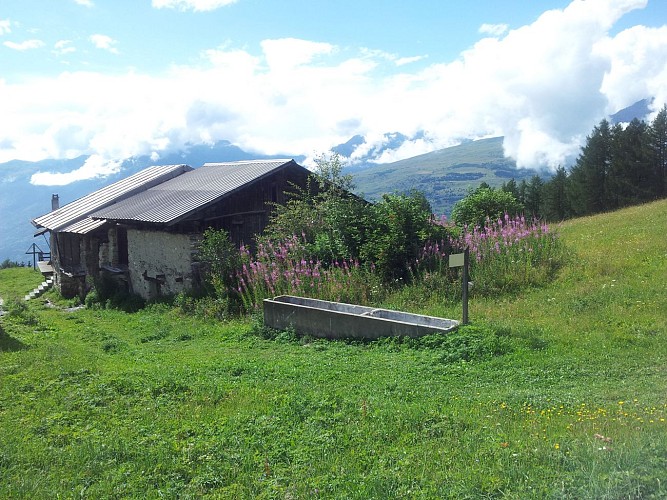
{"x": 556, "y": 392}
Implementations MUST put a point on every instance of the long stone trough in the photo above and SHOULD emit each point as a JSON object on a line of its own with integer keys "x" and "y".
{"x": 334, "y": 320}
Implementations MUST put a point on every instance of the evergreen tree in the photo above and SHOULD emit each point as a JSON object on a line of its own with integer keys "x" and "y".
{"x": 511, "y": 187}
{"x": 588, "y": 189}
{"x": 657, "y": 145}
{"x": 522, "y": 191}
{"x": 555, "y": 205}
{"x": 533, "y": 197}
{"x": 631, "y": 178}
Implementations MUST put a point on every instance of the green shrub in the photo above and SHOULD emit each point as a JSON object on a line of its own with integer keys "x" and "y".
{"x": 401, "y": 224}
{"x": 331, "y": 220}
{"x": 7, "y": 263}
{"x": 485, "y": 203}
{"x": 220, "y": 258}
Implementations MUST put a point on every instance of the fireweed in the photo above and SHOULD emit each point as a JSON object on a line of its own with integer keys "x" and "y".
{"x": 505, "y": 254}
{"x": 512, "y": 253}
{"x": 286, "y": 268}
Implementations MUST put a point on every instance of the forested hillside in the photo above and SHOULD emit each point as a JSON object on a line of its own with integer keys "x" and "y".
{"x": 618, "y": 167}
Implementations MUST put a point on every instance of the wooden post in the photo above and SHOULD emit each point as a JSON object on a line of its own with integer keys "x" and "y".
{"x": 462, "y": 260}
{"x": 464, "y": 294}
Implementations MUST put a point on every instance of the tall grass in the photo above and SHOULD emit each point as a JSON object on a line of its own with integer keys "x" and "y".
{"x": 512, "y": 253}
{"x": 507, "y": 254}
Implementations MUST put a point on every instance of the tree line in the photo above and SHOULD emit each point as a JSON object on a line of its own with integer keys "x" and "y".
{"x": 617, "y": 167}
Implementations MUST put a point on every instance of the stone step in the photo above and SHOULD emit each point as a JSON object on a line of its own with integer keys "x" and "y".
{"x": 46, "y": 285}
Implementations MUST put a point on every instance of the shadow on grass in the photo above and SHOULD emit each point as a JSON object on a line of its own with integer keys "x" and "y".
{"x": 9, "y": 344}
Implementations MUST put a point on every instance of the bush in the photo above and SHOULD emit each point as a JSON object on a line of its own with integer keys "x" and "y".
{"x": 331, "y": 220}
{"x": 6, "y": 264}
{"x": 401, "y": 225}
{"x": 483, "y": 204}
{"x": 221, "y": 260}
{"x": 512, "y": 253}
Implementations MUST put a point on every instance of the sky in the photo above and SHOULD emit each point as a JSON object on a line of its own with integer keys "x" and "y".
{"x": 117, "y": 78}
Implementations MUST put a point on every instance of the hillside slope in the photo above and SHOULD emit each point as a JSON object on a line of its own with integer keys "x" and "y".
{"x": 561, "y": 395}
{"x": 444, "y": 176}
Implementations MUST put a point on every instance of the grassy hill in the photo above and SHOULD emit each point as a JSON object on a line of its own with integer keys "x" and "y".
{"x": 445, "y": 175}
{"x": 561, "y": 393}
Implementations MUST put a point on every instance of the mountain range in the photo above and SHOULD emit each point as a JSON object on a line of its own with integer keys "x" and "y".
{"x": 444, "y": 176}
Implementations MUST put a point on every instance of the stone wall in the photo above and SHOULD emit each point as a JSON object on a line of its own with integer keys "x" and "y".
{"x": 161, "y": 263}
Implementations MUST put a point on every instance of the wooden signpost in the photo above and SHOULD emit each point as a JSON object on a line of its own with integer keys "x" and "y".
{"x": 461, "y": 260}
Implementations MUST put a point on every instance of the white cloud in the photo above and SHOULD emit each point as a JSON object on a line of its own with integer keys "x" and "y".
{"x": 195, "y": 5}
{"x": 543, "y": 86}
{"x": 493, "y": 29}
{"x": 104, "y": 42}
{"x": 5, "y": 26}
{"x": 289, "y": 53}
{"x": 402, "y": 61}
{"x": 636, "y": 51}
{"x": 93, "y": 167}
{"x": 85, "y": 3}
{"x": 23, "y": 46}
{"x": 62, "y": 47}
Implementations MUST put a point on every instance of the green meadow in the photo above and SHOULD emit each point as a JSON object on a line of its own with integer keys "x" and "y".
{"x": 557, "y": 391}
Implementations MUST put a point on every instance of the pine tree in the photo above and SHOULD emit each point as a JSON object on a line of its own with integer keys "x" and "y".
{"x": 555, "y": 204}
{"x": 657, "y": 145}
{"x": 631, "y": 177}
{"x": 533, "y": 199}
{"x": 522, "y": 191}
{"x": 510, "y": 187}
{"x": 588, "y": 190}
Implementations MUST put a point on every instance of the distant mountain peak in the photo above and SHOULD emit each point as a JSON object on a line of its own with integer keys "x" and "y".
{"x": 639, "y": 110}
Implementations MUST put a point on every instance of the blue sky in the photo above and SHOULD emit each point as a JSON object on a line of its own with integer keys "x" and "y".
{"x": 119, "y": 78}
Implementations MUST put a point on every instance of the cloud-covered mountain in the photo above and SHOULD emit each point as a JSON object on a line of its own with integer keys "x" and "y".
{"x": 541, "y": 85}
{"x": 640, "y": 110}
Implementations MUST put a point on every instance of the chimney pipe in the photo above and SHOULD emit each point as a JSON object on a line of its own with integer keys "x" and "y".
{"x": 55, "y": 202}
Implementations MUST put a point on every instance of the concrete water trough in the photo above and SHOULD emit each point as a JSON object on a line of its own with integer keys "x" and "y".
{"x": 334, "y": 320}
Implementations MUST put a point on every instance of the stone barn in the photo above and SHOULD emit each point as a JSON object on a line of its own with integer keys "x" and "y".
{"x": 145, "y": 230}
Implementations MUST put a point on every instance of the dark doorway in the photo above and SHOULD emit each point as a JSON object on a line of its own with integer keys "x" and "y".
{"x": 123, "y": 259}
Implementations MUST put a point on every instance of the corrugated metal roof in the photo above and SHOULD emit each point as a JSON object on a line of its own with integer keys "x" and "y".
{"x": 76, "y": 211}
{"x": 84, "y": 226}
{"x": 176, "y": 198}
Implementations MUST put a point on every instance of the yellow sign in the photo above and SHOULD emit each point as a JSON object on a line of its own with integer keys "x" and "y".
{"x": 456, "y": 260}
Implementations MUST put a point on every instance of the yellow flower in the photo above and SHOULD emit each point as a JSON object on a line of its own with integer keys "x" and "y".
{"x": 557, "y": 446}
